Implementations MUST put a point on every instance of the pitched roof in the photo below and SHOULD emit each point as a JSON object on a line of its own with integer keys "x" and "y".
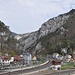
{"x": 56, "y": 61}
{"x": 18, "y": 58}
{"x": 6, "y": 58}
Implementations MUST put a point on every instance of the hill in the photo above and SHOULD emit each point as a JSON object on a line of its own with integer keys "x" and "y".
{"x": 56, "y": 33}
{"x": 7, "y": 41}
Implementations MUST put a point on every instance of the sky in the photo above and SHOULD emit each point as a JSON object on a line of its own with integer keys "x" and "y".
{"x": 25, "y": 16}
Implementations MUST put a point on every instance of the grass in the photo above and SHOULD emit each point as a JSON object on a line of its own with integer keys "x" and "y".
{"x": 69, "y": 65}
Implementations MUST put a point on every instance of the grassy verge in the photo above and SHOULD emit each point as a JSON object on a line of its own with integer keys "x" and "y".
{"x": 68, "y": 66}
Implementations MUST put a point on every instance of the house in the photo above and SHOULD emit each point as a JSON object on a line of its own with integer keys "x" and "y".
{"x": 1, "y": 61}
{"x": 64, "y": 50}
{"x": 5, "y": 60}
{"x": 27, "y": 57}
{"x": 55, "y": 55}
{"x": 34, "y": 59}
{"x": 67, "y": 58}
{"x": 56, "y": 64}
{"x": 12, "y": 59}
{"x": 18, "y": 60}
{"x": 60, "y": 57}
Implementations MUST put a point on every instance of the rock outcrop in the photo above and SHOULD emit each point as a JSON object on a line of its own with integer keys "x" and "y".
{"x": 30, "y": 40}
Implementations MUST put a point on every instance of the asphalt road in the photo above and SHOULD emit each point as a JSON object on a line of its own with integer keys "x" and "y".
{"x": 28, "y": 70}
{"x": 67, "y": 72}
{"x": 23, "y": 72}
{"x": 35, "y": 68}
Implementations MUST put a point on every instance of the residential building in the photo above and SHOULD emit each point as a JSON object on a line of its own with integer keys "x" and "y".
{"x": 27, "y": 57}
{"x": 56, "y": 64}
{"x": 5, "y": 60}
{"x": 67, "y": 58}
{"x": 60, "y": 57}
{"x": 55, "y": 55}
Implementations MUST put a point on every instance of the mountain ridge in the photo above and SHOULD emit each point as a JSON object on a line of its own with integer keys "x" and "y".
{"x": 54, "y": 34}
{"x": 8, "y": 43}
{"x": 30, "y": 42}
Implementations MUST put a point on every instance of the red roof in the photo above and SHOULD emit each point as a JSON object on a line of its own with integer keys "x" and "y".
{"x": 6, "y": 58}
{"x": 56, "y": 62}
{"x": 18, "y": 58}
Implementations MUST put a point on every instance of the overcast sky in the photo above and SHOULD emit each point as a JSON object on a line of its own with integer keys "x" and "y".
{"x": 27, "y": 15}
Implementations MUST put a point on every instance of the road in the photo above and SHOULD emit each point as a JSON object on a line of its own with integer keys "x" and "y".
{"x": 22, "y": 71}
{"x": 32, "y": 71}
{"x": 49, "y": 72}
{"x": 35, "y": 69}
{"x": 67, "y": 72}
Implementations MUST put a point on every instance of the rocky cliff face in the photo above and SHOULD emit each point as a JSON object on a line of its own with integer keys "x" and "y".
{"x": 53, "y": 24}
{"x": 7, "y": 40}
{"x": 29, "y": 41}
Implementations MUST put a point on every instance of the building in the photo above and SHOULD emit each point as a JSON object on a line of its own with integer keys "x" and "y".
{"x": 34, "y": 59}
{"x": 6, "y": 60}
{"x": 18, "y": 60}
{"x": 55, "y": 55}
{"x": 27, "y": 57}
{"x": 56, "y": 64}
{"x": 64, "y": 50}
{"x": 67, "y": 58}
{"x": 1, "y": 61}
{"x": 60, "y": 57}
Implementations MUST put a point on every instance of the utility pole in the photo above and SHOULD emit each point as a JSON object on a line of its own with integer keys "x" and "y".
{"x": 58, "y": 71}
{"x": 69, "y": 68}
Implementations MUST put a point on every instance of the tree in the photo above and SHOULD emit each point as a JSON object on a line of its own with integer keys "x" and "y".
{"x": 70, "y": 51}
{"x": 12, "y": 53}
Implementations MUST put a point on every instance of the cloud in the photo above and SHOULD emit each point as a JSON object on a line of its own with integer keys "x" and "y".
{"x": 27, "y": 15}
